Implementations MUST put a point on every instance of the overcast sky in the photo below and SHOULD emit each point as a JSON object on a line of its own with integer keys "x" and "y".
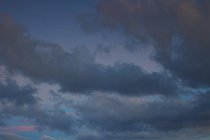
{"x": 104, "y": 70}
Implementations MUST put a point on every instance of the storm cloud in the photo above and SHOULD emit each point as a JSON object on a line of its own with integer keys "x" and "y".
{"x": 122, "y": 115}
{"x": 11, "y": 92}
{"x": 72, "y": 93}
{"x": 52, "y": 119}
{"x": 10, "y": 136}
{"x": 177, "y": 29}
{"x": 75, "y": 71}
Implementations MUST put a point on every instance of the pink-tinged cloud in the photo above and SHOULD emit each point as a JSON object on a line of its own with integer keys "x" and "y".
{"x": 18, "y": 129}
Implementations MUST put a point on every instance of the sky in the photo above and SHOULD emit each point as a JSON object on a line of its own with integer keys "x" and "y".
{"x": 104, "y": 70}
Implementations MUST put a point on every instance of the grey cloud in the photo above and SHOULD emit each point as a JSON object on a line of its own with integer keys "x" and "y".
{"x": 45, "y": 137}
{"x": 112, "y": 115}
{"x": 114, "y": 118}
{"x": 75, "y": 71}
{"x": 44, "y": 119}
{"x": 178, "y": 29}
{"x": 122, "y": 136}
{"x": 11, "y": 92}
{"x": 135, "y": 136}
{"x": 10, "y": 136}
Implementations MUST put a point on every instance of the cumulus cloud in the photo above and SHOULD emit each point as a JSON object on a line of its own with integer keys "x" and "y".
{"x": 44, "y": 119}
{"x": 179, "y": 32}
{"x": 11, "y": 92}
{"x": 115, "y": 118}
{"x": 46, "y": 137}
{"x": 75, "y": 71}
{"x": 18, "y": 129}
{"x": 178, "y": 29}
{"x": 10, "y": 136}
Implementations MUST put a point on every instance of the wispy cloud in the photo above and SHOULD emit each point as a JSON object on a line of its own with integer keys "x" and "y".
{"x": 15, "y": 129}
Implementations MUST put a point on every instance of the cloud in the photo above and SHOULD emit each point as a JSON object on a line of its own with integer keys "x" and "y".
{"x": 75, "y": 71}
{"x": 178, "y": 30}
{"x": 18, "y": 129}
{"x": 46, "y": 137}
{"x": 114, "y": 118}
{"x": 11, "y": 92}
{"x": 10, "y": 136}
{"x": 44, "y": 119}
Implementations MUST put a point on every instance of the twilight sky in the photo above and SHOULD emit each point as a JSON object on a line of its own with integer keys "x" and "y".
{"x": 104, "y": 70}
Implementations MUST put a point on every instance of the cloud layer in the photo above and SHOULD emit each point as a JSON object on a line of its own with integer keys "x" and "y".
{"x": 177, "y": 29}
{"x": 75, "y": 71}
{"x": 120, "y": 101}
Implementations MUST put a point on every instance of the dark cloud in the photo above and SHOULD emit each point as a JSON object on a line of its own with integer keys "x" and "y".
{"x": 10, "y": 136}
{"x": 179, "y": 32}
{"x": 75, "y": 71}
{"x": 11, "y": 92}
{"x": 122, "y": 136}
{"x": 54, "y": 119}
{"x": 113, "y": 115}
{"x": 118, "y": 117}
{"x": 45, "y": 137}
{"x": 178, "y": 29}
